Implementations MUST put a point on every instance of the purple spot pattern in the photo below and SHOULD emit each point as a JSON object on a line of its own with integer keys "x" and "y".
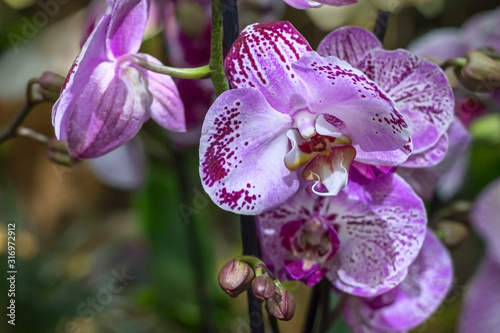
{"x": 262, "y": 57}
{"x": 419, "y": 89}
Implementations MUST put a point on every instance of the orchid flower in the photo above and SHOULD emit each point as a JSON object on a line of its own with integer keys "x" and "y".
{"x": 362, "y": 240}
{"x": 482, "y": 300}
{"x": 411, "y": 302}
{"x": 293, "y": 116}
{"x": 106, "y": 97}
{"x": 419, "y": 88}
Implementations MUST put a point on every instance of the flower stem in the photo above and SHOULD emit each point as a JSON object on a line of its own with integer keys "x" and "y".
{"x": 216, "y": 58}
{"x": 313, "y": 309}
{"x": 183, "y": 73}
{"x": 381, "y": 23}
{"x": 11, "y": 130}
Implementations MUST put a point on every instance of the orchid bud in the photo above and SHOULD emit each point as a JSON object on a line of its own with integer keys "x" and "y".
{"x": 282, "y": 305}
{"x": 57, "y": 152}
{"x": 50, "y": 85}
{"x": 263, "y": 287}
{"x": 480, "y": 73}
{"x": 235, "y": 277}
{"x": 452, "y": 233}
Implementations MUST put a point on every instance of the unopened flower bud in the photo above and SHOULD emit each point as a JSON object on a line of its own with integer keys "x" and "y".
{"x": 50, "y": 85}
{"x": 57, "y": 152}
{"x": 282, "y": 305}
{"x": 480, "y": 73}
{"x": 263, "y": 287}
{"x": 235, "y": 277}
{"x": 452, "y": 233}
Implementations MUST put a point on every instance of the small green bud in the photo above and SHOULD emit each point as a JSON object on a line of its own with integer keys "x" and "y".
{"x": 281, "y": 305}
{"x": 235, "y": 277}
{"x": 452, "y": 233}
{"x": 263, "y": 287}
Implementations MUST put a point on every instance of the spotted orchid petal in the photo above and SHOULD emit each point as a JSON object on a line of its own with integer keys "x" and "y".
{"x": 349, "y": 44}
{"x": 481, "y": 305}
{"x": 429, "y": 157}
{"x": 411, "y": 302}
{"x": 379, "y": 234}
{"x": 262, "y": 57}
{"x": 446, "y": 176}
{"x": 242, "y": 127}
{"x": 420, "y": 90}
{"x": 485, "y": 220}
{"x": 355, "y": 106}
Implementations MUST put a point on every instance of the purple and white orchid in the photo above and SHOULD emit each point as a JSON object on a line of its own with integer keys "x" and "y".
{"x": 418, "y": 87}
{"x": 293, "y": 116}
{"x": 106, "y": 97}
{"x": 362, "y": 240}
{"x": 411, "y": 302}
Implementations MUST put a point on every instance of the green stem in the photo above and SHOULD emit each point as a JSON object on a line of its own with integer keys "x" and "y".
{"x": 183, "y": 73}
{"x": 216, "y": 58}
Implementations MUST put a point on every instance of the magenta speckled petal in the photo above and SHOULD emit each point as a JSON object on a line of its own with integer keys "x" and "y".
{"x": 481, "y": 305}
{"x": 349, "y": 44}
{"x": 429, "y": 157}
{"x": 420, "y": 90}
{"x": 485, "y": 220}
{"x": 262, "y": 57}
{"x": 119, "y": 102}
{"x": 368, "y": 116}
{"x": 242, "y": 147}
{"x": 126, "y": 27}
{"x": 379, "y": 233}
{"x": 413, "y": 301}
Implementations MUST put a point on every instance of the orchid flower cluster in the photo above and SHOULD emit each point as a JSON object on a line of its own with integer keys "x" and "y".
{"x": 333, "y": 150}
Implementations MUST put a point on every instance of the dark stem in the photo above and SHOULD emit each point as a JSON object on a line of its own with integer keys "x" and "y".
{"x": 324, "y": 306}
{"x": 249, "y": 237}
{"x": 381, "y": 23}
{"x": 337, "y": 311}
{"x": 313, "y": 309}
{"x": 250, "y": 243}
{"x": 10, "y": 130}
{"x": 274, "y": 324}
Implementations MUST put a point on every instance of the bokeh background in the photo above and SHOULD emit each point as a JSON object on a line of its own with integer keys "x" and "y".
{"x": 164, "y": 238}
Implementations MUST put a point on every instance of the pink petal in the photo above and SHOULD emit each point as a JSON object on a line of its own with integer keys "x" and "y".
{"x": 302, "y": 4}
{"x": 349, "y": 44}
{"x": 485, "y": 220}
{"x": 367, "y": 116}
{"x": 126, "y": 28}
{"x": 429, "y": 157}
{"x": 380, "y": 234}
{"x": 482, "y": 301}
{"x": 108, "y": 112}
{"x": 242, "y": 148}
{"x": 443, "y": 44}
{"x": 262, "y": 57}
{"x": 420, "y": 90}
{"x": 413, "y": 301}
{"x": 167, "y": 108}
